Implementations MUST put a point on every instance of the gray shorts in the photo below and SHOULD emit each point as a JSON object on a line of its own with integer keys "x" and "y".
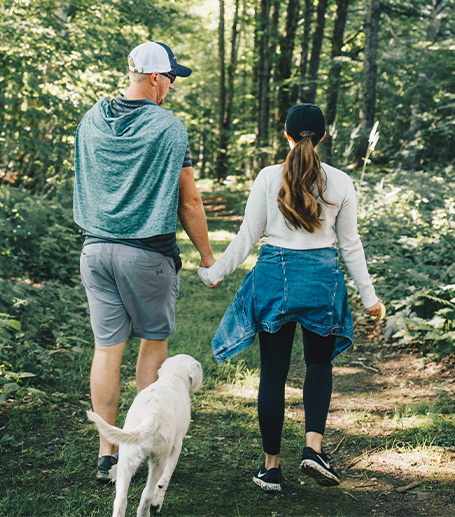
{"x": 129, "y": 286}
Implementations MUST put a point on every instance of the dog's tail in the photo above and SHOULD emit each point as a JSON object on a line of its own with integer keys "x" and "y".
{"x": 116, "y": 435}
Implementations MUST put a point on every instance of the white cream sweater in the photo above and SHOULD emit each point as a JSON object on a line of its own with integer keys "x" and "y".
{"x": 262, "y": 216}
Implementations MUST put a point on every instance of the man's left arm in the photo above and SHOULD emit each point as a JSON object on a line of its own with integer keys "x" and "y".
{"x": 192, "y": 216}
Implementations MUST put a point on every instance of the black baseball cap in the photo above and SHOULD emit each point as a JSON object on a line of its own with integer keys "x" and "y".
{"x": 305, "y": 117}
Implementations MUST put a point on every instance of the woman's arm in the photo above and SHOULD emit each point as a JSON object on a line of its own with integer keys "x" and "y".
{"x": 251, "y": 229}
{"x": 351, "y": 247}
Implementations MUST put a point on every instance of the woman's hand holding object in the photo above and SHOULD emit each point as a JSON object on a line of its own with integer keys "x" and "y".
{"x": 377, "y": 311}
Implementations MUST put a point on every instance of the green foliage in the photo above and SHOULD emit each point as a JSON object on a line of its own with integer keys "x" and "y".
{"x": 427, "y": 321}
{"x": 58, "y": 59}
{"x": 41, "y": 240}
{"x": 54, "y": 331}
{"x": 407, "y": 224}
{"x": 7, "y": 322}
{"x": 416, "y": 92}
{"x": 43, "y": 310}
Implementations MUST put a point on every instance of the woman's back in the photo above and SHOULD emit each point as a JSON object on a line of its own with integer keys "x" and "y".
{"x": 278, "y": 232}
{"x": 338, "y": 224}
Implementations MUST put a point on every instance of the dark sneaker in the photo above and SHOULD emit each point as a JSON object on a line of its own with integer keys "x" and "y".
{"x": 268, "y": 480}
{"x": 316, "y": 465}
{"x": 105, "y": 463}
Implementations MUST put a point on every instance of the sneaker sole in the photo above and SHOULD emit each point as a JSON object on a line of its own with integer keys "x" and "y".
{"x": 322, "y": 476}
{"x": 103, "y": 477}
{"x": 268, "y": 487}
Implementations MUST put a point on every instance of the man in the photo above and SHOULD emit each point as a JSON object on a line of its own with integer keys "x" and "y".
{"x": 133, "y": 177}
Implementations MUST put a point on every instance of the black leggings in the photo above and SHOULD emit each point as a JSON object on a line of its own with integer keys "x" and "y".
{"x": 317, "y": 389}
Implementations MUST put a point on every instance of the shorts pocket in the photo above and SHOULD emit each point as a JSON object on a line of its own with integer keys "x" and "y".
{"x": 148, "y": 265}
{"x": 91, "y": 250}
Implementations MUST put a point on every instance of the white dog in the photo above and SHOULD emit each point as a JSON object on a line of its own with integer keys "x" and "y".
{"x": 155, "y": 426}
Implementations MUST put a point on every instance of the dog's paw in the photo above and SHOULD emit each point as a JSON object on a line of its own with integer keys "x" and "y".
{"x": 147, "y": 512}
{"x": 157, "y": 501}
{"x": 113, "y": 473}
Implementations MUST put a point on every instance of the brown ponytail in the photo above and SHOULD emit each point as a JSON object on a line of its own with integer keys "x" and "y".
{"x": 297, "y": 198}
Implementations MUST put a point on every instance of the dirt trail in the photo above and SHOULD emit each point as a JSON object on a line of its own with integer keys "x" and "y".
{"x": 389, "y": 402}
{"x": 389, "y": 433}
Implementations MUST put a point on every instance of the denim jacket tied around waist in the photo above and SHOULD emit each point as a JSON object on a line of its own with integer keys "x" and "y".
{"x": 305, "y": 286}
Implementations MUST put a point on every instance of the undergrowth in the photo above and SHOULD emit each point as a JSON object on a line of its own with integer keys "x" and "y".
{"x": 407, "y": 227}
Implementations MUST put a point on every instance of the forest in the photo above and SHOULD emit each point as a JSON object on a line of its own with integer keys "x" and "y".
{"x": 361, "y": 61}
{"x": 383, "y": 73}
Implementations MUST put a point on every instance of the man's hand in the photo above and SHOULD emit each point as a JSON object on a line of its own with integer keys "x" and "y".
{"x": 207, "y": 261}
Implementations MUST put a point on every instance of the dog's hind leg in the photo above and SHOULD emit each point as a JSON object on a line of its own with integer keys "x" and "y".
{"x": 163, "y": 483}
{"x": 125, "y": 471}
{"x": 156, "y": 468}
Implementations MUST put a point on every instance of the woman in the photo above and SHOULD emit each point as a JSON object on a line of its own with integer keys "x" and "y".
{"x": 303, "y": 207}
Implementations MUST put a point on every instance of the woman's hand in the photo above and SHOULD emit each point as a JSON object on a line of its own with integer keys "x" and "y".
{"x": 205, "y": 263}
{"x": 376, "y": 311}
{"x": 203, "y": 275}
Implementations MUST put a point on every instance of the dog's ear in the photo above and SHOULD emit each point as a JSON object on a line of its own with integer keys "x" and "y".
{"x": 195, "y": 376}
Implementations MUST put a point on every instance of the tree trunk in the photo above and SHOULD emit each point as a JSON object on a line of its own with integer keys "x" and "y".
{"x": 203, "y": 148}
{"x": 333, "y": 80}
{"x": 263, "y": 82}
{"x": 421, "y": 96}
{"x": 226, "y": 120}
{"x": 221, "y": 157}
{"x": 284, "y": 71}
{"x": 310, "y": 94}
{"x": 232, "y": 67}
{"x": 275, "y": 36}
{"x": 307, "y": 16}
{"x": 370, "y": 69}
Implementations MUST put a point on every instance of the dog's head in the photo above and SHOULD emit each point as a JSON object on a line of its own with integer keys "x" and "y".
{"x": 185, "y": 367}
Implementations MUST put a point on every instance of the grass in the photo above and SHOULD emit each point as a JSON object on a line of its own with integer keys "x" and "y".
{"x": 49, "y": 448}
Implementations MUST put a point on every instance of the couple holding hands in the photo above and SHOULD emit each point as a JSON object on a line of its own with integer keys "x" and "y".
{"x": 134, "y": 177}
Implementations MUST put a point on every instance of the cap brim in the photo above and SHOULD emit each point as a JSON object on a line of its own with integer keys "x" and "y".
{"x": 181, "y": 71}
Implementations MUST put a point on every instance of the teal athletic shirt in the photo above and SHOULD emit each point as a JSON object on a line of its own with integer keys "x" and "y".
{"x": 164, "y": 243}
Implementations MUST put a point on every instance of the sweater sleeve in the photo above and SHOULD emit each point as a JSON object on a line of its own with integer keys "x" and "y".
{"x": 351, "y": 247}
{"x": 250, "y": 230}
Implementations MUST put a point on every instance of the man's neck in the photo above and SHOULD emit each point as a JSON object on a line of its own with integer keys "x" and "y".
{"x": 134, "y": 93}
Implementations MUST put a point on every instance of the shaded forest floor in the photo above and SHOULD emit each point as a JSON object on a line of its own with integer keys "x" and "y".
{"x": 390, "y": 433}
{"x": 388, "y": 465}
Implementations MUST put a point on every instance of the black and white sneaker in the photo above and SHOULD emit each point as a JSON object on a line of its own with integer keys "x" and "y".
{"x": 105, "y": 464}
{"x": 316, "y": 465}
{"x": 268, "y": 480}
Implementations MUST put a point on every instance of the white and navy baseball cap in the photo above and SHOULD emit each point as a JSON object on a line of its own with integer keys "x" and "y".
{"x": 151, "y": 57}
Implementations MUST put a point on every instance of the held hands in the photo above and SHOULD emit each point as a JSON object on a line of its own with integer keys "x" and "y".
{"x": 203, "y": 275}
{"x": 377, "y": 311}
{"x": 205, "y": 263}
